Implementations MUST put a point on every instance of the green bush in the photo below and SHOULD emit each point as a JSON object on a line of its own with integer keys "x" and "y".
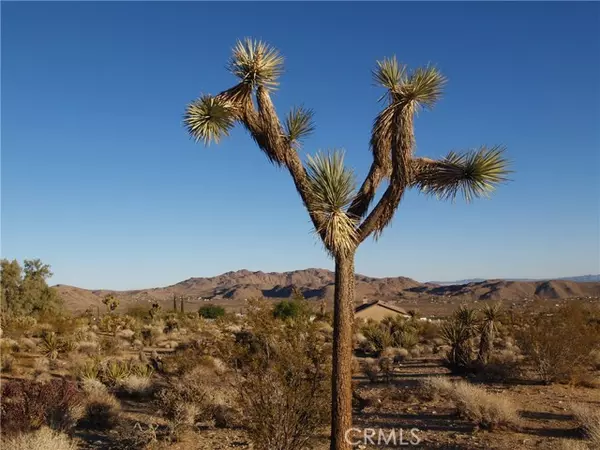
{"x": 289, "y": 309}
{"x": 211, "y": 311}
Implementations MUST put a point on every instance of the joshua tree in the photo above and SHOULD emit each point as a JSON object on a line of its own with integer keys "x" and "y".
{"x": 111, "y": 302}
{"x": 340, "y": 214}
{"x": 488, "y": 331}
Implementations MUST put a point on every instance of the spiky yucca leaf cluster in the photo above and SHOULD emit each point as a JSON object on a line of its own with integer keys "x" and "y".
{"x": 422, "y": 87}
{"x": 331, "y": 190}
{"x": 256, "y": 63}
{"x": 473, "y": 174}
{"x": 299, "y": 124}
{"x": 208, "y": 119}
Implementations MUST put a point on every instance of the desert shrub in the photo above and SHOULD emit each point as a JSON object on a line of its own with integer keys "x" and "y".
{"x": 371, "y": 369}
{"x": 27, "y": 405}
{"x": 589, "y": 421}
{"x": 428, "y": 331}
{"x": 20, "y": 325}
{"x": 27, "y": 345}
{"x": 433, "y": 388}
{"x": 586, "y": 379}
{"x": 416, "y": 351}
{"x": 502, "y": 365}
{"x": 386, "y": 366}
{"x": 87, "y": 347}
{"x": 290, "y": 309}
{"x": 398, "y": 355}
{"x": 185, "y": 402}
{"x": 126, "y": 334}
{"x": 377, "y": 338}
{"x": 101, "y": 410}
{"x": 188, "y": 357}
{"x": 41, "y": 365}
{"x": 91, "y": 385}
{"x": 42, "y": 439}
{"x": 557, "y": 344}
{"x": 112, "y": 323}
{"x": 7, "y": 361}
{"x": 211, "y": 311}
{"x": 284, "y": 389}
{"x": 473, "y": 403}
{"x": 136, "y": 386}
{"x": 151, "y": 334}
{"x": 9, "y": 345}
{"x": 110, "y": 345}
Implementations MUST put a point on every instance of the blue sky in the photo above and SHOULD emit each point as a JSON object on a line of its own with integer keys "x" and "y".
{"x": 100, "y": 180}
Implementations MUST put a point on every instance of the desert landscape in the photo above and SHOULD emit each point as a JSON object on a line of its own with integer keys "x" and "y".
{"x": 138, "y": 372}
{"x": 154, "y": 152}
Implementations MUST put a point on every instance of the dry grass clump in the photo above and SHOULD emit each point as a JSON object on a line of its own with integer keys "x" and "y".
{"x": 487, "y": 410}
{"x": 483, "y": 408}
{"x": 92, "y": 385}
{"x": 589, "y": 422}
{"x": 88, "y": 347}
{"x": 434, "y": 388}
{"x": 102, "y": 410}
{"x": 7, "y": 362}
{"x": 27, "y": 344}
{"x": 42, "y": 439}
{"x": 136, "y": 385}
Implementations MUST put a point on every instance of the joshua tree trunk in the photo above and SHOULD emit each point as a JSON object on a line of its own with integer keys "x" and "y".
{"x": 341, "y": 382}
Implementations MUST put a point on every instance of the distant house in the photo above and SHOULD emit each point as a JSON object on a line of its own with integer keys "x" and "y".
{"x": 377, "y": 310}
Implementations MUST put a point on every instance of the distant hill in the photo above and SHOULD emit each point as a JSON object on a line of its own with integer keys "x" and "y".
{"x": 578, "y": 279}
{"x": 317, "y": 284}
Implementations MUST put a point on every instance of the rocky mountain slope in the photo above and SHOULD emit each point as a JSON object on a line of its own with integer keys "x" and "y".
{"x": 317, "y": 284}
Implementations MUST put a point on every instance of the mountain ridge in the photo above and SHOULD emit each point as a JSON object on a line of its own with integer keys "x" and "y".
{"x": 318, "y": 284}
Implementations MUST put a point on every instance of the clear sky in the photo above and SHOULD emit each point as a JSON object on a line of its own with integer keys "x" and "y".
{"x": 100, "y": 180}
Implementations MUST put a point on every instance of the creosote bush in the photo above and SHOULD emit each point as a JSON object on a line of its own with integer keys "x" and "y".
{"x": 211, "y": 311}
{"x": 557, "y": 343}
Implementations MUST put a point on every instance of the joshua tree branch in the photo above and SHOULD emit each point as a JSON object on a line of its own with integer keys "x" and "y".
{"x": 402, "y": 148}
{"x": 265, "y": 128}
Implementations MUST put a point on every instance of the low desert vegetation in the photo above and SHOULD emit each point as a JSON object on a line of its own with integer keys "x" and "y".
{"x": 265, "y": 375}
{"x": 211, "y": 311}
{"x": 588, "y": 419}
{"x": 42, "y": 439}
{"x": 474, "y": 403}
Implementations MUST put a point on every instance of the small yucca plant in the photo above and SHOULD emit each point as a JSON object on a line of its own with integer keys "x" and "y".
{"x": 115, "y": 371}
{"x": 142, "y": 370}
{"x": 51, "y": 345}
